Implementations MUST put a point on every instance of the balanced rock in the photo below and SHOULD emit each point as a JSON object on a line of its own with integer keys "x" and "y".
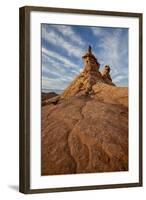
{"x": 90, "y": 76}
{"x": 106, "y": 75}
{"x": 86, "y": 129}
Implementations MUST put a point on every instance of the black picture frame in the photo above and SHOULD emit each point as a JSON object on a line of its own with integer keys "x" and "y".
{"x": 24, "y": 143}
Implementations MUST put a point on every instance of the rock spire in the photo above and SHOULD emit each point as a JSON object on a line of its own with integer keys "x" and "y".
{"x": 90, "y": 76}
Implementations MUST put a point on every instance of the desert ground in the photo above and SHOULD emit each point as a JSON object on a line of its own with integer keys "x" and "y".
{"x": 85, "y": 129}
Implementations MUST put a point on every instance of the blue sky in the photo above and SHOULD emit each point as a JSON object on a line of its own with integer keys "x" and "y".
{"x": 63, "y": 47}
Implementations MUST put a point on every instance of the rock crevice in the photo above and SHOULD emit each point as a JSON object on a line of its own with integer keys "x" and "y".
{"x": 85, "y": 129}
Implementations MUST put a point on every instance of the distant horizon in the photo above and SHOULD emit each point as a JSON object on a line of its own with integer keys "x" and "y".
{"x": 64, "y": 45}
{"x": 60, "y": 91}
{"x": 52, "y": 90}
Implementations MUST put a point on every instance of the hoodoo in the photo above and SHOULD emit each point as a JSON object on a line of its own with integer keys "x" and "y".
{"x": 84, "y": 82}
{"x": 85, "y": 129}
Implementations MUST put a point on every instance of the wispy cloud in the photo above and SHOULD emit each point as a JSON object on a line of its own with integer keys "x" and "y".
{"x": 63, "y": 47}
{"x": 71, "y": 46}
{"x": 57, "y": 69}
{"x": 52, "y": 84}
{"x": 69, "y": 33}
{"x": 113, "y": 50}
{"x": 58, "y": 57}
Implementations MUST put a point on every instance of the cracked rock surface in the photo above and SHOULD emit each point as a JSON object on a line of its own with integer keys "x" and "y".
{"x": 86, "y": 133}
{"x": 85, "y": 129}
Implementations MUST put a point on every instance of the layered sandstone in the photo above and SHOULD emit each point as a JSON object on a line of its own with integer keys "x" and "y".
{"x": 85, "y": 129}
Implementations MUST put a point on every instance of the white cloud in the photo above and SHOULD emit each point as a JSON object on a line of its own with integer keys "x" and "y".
{"x": 57, "y": 71}
{"x": 54, "y": 84}
{"x": 58, "y": 57}
{"x": 118, "y": 78}
{"x": 68, "y": 32}
{"x": 56, "y": 39}
{"x": 113, "y": 51}
{"x": 98, "y": 31}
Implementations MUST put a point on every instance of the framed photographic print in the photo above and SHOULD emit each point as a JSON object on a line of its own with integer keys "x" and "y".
{"x": 80, "y": 99}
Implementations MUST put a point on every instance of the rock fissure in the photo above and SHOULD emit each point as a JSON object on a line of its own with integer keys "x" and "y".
{"x": 85, "y": 129}
{"x": 74, "y": 134}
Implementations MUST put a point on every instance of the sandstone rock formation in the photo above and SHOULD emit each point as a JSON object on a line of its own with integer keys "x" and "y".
{"x": 48, "y": 95}
{"x": 86, "y": 129}
{"x": 89, "y": 77}
{"x": 106, "y": 75}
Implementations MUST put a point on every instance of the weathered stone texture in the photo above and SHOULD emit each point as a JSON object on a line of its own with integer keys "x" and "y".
{"x": 86, "y": 129}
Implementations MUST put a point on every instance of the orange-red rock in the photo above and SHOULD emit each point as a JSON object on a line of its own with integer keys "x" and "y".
{"x": 86, "y": 130}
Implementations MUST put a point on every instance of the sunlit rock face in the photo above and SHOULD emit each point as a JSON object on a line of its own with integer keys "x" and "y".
{"x": 85, "y": 129}
{"x": 89, "y": 77}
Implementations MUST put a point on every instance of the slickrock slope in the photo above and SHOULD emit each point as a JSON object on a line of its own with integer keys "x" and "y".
{"x": 86, "y": 130}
